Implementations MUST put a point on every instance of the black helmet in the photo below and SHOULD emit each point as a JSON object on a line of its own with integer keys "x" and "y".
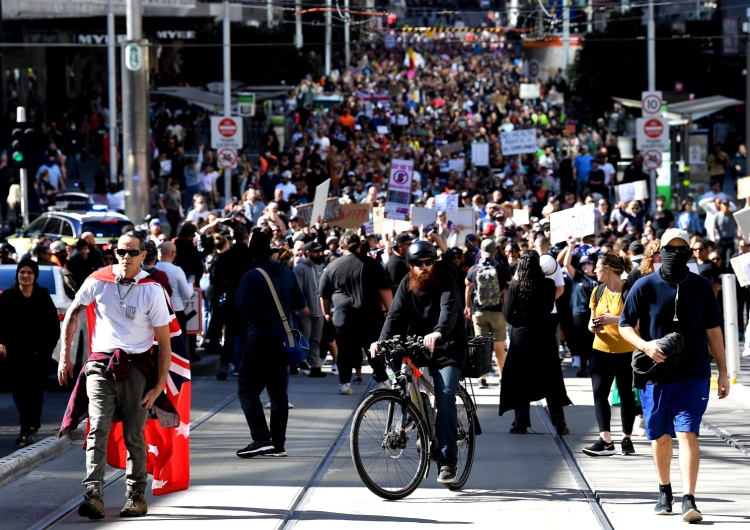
{"x": 420, "y": 250}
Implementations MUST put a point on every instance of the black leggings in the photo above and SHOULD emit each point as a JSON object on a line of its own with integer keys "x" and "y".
{"x": 605, "y": 368}
{"x": 583, "y": 339}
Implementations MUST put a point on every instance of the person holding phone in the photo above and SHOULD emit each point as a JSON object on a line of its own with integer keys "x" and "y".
{"x": 610, "y": 356}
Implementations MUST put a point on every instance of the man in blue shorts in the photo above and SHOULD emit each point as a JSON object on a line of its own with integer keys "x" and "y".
{"x": 673, "y": 299}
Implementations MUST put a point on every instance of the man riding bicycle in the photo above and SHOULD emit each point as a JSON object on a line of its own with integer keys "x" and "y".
{"x": 428, "y": 303}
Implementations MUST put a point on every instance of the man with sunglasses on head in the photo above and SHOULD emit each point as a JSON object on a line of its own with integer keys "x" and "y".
{"x": 428, "y": 304}
{"x": 675, "y": 396}
{"x": 122, "y": 378}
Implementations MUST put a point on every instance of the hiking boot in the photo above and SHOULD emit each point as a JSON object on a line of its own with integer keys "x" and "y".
{"x": 316, "y": 372}
{"x": 626, "y": 446}
{"x": 664, "y": 503}
{"x": 21, "y": 440}
{"x": 447, "y": 475}
{"x": 690, "y": 513}
{"x": 278, "y": 452}
{"x": 345, "y": 389}
{"x": 255, "y": 449}
{"x": 92, "y": 505}
{"x": 135, "y": 506}
{"x": 600, "y": 448}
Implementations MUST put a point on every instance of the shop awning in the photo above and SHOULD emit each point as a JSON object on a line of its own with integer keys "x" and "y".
{"x": 215, "y": 102}
{"x": 695, "y": 109}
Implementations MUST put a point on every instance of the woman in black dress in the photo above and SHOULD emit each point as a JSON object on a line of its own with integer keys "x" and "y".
{"x": 532, "y": 369}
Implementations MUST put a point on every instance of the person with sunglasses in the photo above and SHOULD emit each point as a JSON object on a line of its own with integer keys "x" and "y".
{"x": 674, "y": 400}
{"x": 428, "y": 304}
{"x": 123, "y": 377}
{"x": 706, "y": 267}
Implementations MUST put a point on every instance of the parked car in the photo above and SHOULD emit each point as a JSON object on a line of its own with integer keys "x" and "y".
{"x": 68, "y": 226}
{"x": 59, "y": 282}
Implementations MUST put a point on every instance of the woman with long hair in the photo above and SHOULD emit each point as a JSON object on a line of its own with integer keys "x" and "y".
{"x": 533, "y": 348}
{"x": 650, "y": 256}
{"x": 610, "y": 356}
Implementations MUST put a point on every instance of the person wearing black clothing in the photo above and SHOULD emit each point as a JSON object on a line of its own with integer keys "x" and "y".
{"x": 565, "y": 172}
{"x": 597, "y": 178}
{"x": 28, "y": 335}
{"x": 397, "y": 268}
{"x": 532, "y": 367}
{"x": 354, "y": 285}
{"x": 228, "y": 269}
{"x": 82, "y": 262}
{"x": 428, "y": 304}
{"x": 581, "y": 340}
{"x": 706, "y": 267}
{"x": 661, "y": 218}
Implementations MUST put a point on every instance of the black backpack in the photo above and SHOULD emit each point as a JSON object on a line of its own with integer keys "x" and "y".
{"x": 600, "y": 292}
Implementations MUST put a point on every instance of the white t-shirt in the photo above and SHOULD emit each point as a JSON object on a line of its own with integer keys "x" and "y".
{"x": 610, "y": 178}
{"x": 287, "y": 189}
{"x": 181, "y": 288}
{"x": 193, "y": 215}
{"x": 557, "y": 276}
{"x": 127, "y": 319}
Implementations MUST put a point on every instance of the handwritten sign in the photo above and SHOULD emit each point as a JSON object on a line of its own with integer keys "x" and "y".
{"x": 446, "y": 202}
{"x": 521, "y": 217}
{"x": 352, "y": 216}
{"x": 743, "y": 187}
{"x": 519, "y": 142}
{"x": 577, "y": 222}
{"x": 632, "y": 191}
{"x": 741, "y": 266}
{"x": 332, "y": 211}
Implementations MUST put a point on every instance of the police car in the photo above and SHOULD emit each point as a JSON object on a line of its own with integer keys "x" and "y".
{"x": 68, "y": 226}
{"x": 59, "y": 282}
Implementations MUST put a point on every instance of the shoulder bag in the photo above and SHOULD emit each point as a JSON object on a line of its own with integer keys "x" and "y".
{"x": 295, "y": 343}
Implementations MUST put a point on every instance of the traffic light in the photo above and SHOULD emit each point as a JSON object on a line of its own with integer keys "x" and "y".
{"x": 391, "y": 20}
{"x": 21, "y": 144}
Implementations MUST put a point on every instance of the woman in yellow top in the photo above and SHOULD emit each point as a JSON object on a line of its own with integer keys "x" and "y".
{"x": 610, "y": 357}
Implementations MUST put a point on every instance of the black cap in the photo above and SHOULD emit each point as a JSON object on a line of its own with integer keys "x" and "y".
{"x": 313, "y": 246}
{"x": 403, "y": 237}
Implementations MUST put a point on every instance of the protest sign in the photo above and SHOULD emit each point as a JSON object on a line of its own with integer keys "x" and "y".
{"x": 449, "y": 149}
{"x": 446, "y": 202}
{"x": 399, "y": 189}
{"x": 741, "y": 266}
{"x": 332, "y": 211}
{"x": 743, "y": 188}
{"x": 378, "y": 214}
{"x": 632, "y": 191}
{"x": 577, "y": 222}
{"x": 422, "y": 216}
{"x": 319, "y": 204}
{"x": 465, "y": 221}
{"x": 352, "y": 216}
{"x": 743, "y": 221}
{"x": 519, "y": 142}
{"x": 529, "y": 91}
{"x": 457, "y": 164}
{"x": 480, "y": 154}
{"x": 521, "y": 217}
{"x": 394, "y": 225}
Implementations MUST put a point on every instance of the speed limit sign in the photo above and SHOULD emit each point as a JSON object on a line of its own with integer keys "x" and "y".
{"x": 651, "y": 103}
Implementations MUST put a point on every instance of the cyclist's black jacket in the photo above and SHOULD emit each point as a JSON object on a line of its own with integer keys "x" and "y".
{"x": 437, "y": 309}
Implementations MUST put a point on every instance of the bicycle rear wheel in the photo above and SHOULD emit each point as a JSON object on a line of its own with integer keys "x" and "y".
{"x": 466, "y": 438}
{"x": 390, "y": 463}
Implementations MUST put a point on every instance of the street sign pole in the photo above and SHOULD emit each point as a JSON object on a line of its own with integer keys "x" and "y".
{"x": 23, "y": 175}
{"x": 227, "y": 173}
{"x": 651, "y": 40}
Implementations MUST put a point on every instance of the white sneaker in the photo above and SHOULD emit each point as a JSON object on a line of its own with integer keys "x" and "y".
{"x": 345, "y": 389}
{"x": 268, "y": 405}
{"x": 639, "y": 427}
{"x": 576, "y": 362}
{"x": 334, "y": 369}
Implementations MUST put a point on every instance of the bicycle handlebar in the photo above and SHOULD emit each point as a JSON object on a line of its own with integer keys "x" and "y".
{"x": 413, "y": 345}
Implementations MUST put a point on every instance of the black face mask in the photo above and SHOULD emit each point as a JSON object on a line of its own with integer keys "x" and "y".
{"x": 674, "y": 267}
{"x": 318, "y": 259}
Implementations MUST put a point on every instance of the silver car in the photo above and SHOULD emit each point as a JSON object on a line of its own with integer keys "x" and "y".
{"x": 59, "y": 282}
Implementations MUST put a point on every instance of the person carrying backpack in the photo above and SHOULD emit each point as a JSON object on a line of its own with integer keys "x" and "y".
{"x": 486, "y": 284}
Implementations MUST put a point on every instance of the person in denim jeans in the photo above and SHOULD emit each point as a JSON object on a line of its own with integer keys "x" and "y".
{"x": 428, "y": 303}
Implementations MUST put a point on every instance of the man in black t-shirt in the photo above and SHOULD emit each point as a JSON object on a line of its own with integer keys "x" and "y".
{"x": 661, "y": 218}
{"x": 354, "y": 286}
{"x": 706, "y": 268}
{"x": 397, "y": 268}
{"x": 488, "y": 318}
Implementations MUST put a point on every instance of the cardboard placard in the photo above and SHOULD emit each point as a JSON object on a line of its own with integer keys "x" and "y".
{"x": 194, "y": 312}
{"x": 352, "y": 216}
{"x": 378, "y": 215}
{"x": 743, "y": 187}
{"x": 446, "y": 202}
{"x": 743, "y": 221}
{"x": 518, "y": 142}
{"x": 632, "y": 191}
{"x": 332, "y": 211}
{"x": 741, "y": 267}
{"x": 480, "y": 154}
{"x": 577, "y": 222}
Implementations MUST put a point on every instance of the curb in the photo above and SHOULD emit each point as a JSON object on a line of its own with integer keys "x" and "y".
{"x": 24, "y": 460}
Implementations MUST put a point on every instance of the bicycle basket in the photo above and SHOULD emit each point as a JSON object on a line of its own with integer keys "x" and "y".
{"x": 479, "y": 358}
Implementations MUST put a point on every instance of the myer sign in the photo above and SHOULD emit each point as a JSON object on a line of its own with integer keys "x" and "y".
{"x": 103, "y": 38}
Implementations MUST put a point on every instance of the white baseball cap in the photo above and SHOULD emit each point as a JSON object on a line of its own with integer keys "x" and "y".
{"x": 672, "y": 234}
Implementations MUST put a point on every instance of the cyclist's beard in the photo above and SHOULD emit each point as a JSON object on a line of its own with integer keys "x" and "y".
{"x": 421, "y": 282}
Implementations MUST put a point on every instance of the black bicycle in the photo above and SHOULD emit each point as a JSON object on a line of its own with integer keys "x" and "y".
{"x": 393, "y": 434}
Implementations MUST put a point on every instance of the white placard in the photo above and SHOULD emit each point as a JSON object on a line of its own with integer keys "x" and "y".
{"x": 319, "y": 204}
{"x": 632, "y": 191}
{"x": 446, "y": 202}
{"x": 422, "y": 216}
{"x": 521, "y": 217}
{"x": 519, "y": 142}
{"x": 394, "y": 225}
{"x": 741, "y": 266}
{"x": 530, "y": 91}
{"x": 457, "y": 165}
{"x": 480, "y": 154}
{"x": 577, "y": 222}
{"x": 743, "y": 220}
{"x": 465, "y": 220}
{"x": 383, "y": 129}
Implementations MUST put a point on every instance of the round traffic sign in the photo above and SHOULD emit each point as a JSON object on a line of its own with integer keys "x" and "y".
{"x": 652, "y": 159}
{"x": 227, "y": 158}
{"x": 651, "y": 105}
{"x": 227, "y": 128}
{"x": 653, "y": 128}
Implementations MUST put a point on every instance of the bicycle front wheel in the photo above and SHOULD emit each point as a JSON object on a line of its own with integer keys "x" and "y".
{"x": 390, "y": 463}
{"x": 466, "y": 438}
